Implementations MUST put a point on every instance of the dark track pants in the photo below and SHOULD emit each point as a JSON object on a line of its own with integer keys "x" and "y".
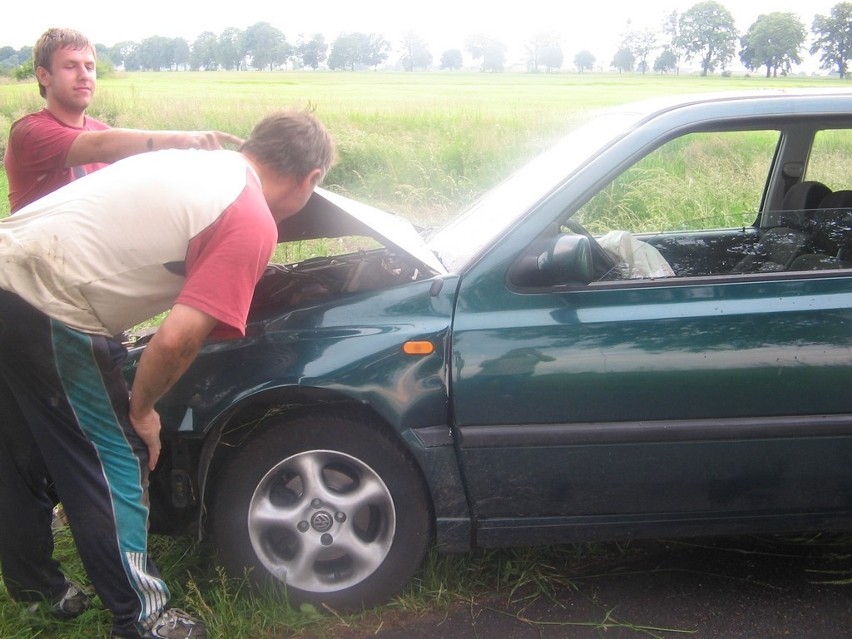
{"x": 64, "y": 415}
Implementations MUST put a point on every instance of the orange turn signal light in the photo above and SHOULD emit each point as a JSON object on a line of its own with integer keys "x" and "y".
{"x": 418, "y": 348}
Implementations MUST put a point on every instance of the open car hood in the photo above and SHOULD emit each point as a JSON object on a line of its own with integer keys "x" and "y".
{"x": 330, "y": 215}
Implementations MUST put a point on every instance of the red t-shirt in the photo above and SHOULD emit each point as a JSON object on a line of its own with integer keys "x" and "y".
{"x": 225, "y": 261}
{"x": 36, "y": 153}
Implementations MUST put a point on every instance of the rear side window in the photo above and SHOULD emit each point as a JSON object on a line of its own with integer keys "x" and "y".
{"x": 831, "y": 159}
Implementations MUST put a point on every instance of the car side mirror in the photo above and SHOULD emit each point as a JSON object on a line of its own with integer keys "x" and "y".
{"x": 567, "y": 259}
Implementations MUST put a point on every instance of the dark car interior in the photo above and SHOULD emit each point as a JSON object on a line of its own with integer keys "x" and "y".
{"x": 813, "y": 231}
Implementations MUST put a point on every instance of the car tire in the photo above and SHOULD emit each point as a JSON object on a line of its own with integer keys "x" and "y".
{"x": 329, "y": 506}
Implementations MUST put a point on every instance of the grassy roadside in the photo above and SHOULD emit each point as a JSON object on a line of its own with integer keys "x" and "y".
{"x": 515, "y": 585}
{"x": 231, "y": 609}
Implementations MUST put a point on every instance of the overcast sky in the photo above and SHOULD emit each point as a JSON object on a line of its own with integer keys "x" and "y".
{"x": 595, "y": 25}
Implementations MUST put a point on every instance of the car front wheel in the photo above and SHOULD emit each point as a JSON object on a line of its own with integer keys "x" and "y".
{"x": 329, "y": 506}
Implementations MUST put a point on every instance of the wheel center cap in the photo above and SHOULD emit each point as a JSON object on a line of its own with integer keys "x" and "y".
{"x": 322, "y": 521}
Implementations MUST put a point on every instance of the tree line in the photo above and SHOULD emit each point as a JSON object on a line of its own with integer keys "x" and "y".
{"x": 705, "y": 34}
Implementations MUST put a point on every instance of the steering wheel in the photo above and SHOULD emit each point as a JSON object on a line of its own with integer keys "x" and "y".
{"x": 604, "y": 266}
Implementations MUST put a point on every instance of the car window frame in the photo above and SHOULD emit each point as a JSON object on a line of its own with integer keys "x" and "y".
{"x": 790, "y": 150}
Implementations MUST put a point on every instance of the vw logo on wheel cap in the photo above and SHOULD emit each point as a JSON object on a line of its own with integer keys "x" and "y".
{"x": 322, "y": 521}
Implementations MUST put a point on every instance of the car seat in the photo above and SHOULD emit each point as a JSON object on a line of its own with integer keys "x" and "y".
{"x": 806, "y": 195}
{"x": 781, "y": 244}
{"x": 832, "y": 235}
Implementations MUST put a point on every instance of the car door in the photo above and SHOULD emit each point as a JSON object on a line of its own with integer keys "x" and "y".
{"x": 706, "y": 400}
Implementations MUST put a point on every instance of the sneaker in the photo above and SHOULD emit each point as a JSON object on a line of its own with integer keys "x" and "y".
{"x": 71, "y": 602}
{"x": 176, "y": 624}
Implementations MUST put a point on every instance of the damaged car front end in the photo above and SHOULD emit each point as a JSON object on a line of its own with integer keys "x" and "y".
{"x": 350, "y": 343}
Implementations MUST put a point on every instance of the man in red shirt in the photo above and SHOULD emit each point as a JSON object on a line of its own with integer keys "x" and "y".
{"x": 185, "y": 230}
{"x": 60, "y": 143}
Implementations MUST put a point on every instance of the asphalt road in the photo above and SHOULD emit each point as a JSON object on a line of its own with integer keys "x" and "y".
{"x": 752, "y": 588}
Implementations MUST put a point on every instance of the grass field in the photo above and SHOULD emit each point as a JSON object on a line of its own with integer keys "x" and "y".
{"x": 423, "y": 145}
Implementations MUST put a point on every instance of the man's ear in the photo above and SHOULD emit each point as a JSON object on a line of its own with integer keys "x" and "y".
{"x": 313, "y": 178}
{"x": 41, "y": 75}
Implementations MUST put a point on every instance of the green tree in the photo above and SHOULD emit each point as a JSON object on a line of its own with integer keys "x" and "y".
{"x": 623, "y": 60}
{"x": 230, "y": 51}
{"x": 25, "y": 71}
{"x": 774, "y": 41}
{"x": 492, "y": 52}
{"x": 9, "y": 59}
{"x": 416, "y": 54}
{"x": 266, "y": 45}
{"x": 666, "y": 61}
{"x": 707, "y": 31}
{"x": 349, "y": 50}
{"x": 124, "y": 54}
{"x": 180, "y": 53}
{"x": 544, "y": 50}
{"x": 25, "y": 53}
{"x": 641, "y": 44}
{"x": 352, "y": 49}
{"x": 376, "y": 50}
{"x": 584, "y": 60}
{"x": 312, "y": 53}
{"x": 101, "y": 52}
{"x": 156, "y": 53}
{"x": 452, "y": 59}
{"x": 203, "y": 55}
{"x": 833, "y": 36}
{"x": 671, "y": 31}
{"x": 344, "y": 52}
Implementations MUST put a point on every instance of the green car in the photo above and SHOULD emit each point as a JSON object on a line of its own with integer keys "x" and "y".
{"x": 645, "y": 332}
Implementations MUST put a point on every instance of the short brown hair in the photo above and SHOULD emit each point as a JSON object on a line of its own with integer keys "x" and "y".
{"x": 292, "y": 143}
{"x": 51, "y": 41}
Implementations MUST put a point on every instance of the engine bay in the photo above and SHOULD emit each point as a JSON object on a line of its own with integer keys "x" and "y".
{"x": 289, "y": 286}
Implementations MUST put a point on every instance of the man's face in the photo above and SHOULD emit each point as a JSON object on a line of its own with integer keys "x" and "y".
{"x": 286, "y": 196}
{"x": 70, "y": 81}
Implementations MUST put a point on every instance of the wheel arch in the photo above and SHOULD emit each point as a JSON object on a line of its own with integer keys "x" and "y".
{"x": 310, "y": 433}
{"x": 234, "y": 427}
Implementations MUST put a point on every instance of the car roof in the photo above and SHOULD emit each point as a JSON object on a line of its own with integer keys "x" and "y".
{"x": 660, "y": 104}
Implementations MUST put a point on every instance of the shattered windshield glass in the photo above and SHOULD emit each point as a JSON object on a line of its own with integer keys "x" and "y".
{"x": 463, "y": 238}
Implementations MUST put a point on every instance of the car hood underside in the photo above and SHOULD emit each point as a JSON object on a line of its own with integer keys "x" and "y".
{"x": 330, "y": 215}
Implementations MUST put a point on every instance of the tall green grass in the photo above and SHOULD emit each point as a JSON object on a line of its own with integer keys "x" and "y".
{"x": 676, "y": 187}
{"x": 423, "y": 145}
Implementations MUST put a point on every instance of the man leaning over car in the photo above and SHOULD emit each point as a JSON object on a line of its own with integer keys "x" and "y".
{"x": 185, "y": 230}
